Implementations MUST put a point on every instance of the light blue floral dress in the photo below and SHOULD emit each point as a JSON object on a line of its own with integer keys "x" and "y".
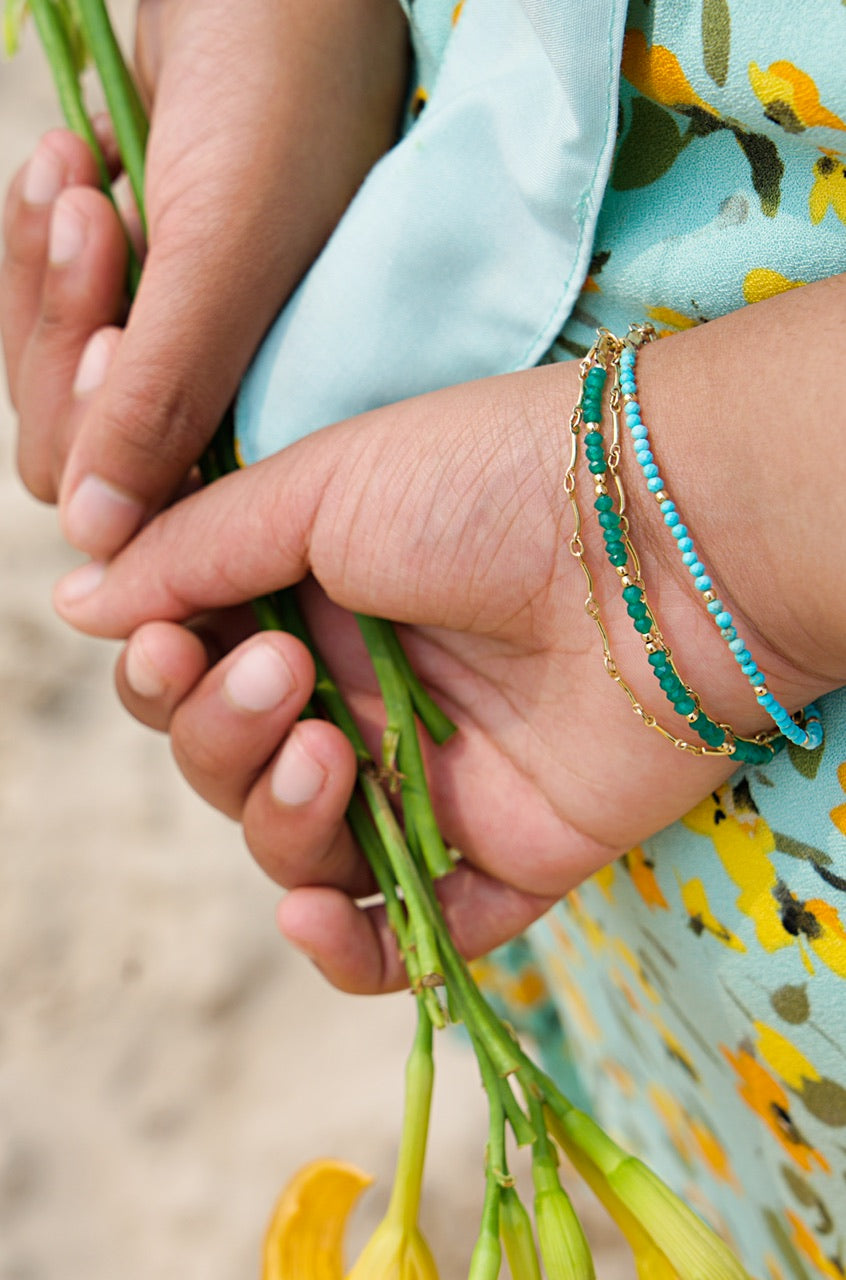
{"x": 683, "y": 160}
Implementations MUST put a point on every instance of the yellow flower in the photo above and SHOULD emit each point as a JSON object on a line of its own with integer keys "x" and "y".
{"x": 394, "y": 1252}
{"x": 790, "y": 97}
{"x": 304, "y": 1240}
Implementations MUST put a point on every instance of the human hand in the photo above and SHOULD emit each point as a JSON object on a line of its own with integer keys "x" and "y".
{"x": 265, "y": 119}
{"x": 445, "y": 513}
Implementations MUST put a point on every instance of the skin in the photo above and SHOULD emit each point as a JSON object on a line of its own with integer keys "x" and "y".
{"x": 550, "y": 775}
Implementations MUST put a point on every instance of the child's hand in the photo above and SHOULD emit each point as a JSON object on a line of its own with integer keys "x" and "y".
{"x": 447, "y": 513}
{"x": 265, "y": 119}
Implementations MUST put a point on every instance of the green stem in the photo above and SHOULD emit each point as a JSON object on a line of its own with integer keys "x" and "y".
{"x": 438, "y": 725}
{"x": 422, "y": 830}
{"x": 408, "y": 876}
{"x": 128, "y": 118}
{"x": 419, "y": 1076}
{"x": 55, "y": 40}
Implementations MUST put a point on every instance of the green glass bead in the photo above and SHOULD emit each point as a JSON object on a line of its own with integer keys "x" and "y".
{"x": 643, "y": 625}
{"x": 599, "y": 467}
{"x": 609, "y": 519}
{"x": 630, "y": 594}
{"x": 617, "y": 557}
{"x": 593, "y": 437}
{"x": 658, "y": 661}
{"x": 604, "y": 502}
{"x": 685, "y": 705}
{"x": 637, "y": 609}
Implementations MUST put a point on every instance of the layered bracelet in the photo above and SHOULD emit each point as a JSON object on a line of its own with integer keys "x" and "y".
{"x": 618, "y": 357}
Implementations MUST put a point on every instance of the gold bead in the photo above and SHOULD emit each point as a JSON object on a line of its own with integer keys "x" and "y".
{"x": 622, "y": 570}
{"x": 708, "y": 596}
{"x": 625, "y": 580}
{"x": 661, "y": 495}
{"x": 650, "y": 646}
{"x": 761, "y": 690}
{"x": 691, "y": 716}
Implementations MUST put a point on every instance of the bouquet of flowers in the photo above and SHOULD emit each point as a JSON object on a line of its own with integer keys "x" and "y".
{"x": 407, "y": 855}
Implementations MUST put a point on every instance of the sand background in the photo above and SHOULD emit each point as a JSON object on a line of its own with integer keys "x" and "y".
{"x": 166, "y": 1061}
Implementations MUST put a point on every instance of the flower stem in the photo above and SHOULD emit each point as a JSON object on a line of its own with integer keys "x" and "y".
{"x": 419, "y": 1076}
{"x": 125, "y": 108}
{"x": 422, "y": 830}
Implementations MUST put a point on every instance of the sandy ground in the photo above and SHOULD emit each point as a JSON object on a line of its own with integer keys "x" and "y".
{"x": 166, "y": 1062}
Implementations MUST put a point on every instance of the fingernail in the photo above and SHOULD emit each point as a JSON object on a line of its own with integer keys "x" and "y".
{"x": 80, "y": 583}
{"x": 68, "y": 230}
{"x": 98, "y": 514}
{"x": 296, "y": 777}
{"x": 259, "y": 680}
{"x": 44, "y": 177}
{"x": 91, "y": 370}
{"x": 142, "y": 676}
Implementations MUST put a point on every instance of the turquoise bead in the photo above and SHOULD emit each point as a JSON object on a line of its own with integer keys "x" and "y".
{"x": 650, "y": 470}
{"x": 690, "y": 556}
{"x": 723, "y": 619}
{"x": 686, "y": 546}
{"x": 680, "y": 533}
{"x": 671, "y": 518}
{"x": 638, "y": 431}
{"x": 714, "y": 606}
{"x": 655, "y": 484}
{"x": 702, "y": 583}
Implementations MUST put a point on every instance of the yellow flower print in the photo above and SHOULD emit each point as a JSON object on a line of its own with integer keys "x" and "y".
{"x": 765, "y": 1096}
{"x": 838, "y": 813}
{"x": 701, "y": 918}
{"x": 642, "y": 873}
{"x": 763, "y": 282}
{"x": 744, "y": 842}
{"x": 656, "y": 73}
{"x": 673, "y": 321}
{"x": 790, "y": 98}
{"x": 808, "y": 1245}
{"x": 829, "y": 189}
{"x": 604, "y": 880}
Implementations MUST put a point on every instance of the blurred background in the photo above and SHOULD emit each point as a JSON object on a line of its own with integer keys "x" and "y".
{"x": 166, "y": 1060}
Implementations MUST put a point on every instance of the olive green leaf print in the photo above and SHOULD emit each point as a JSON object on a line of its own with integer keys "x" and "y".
{"x": 649, "y": 149}
{"x": 766, "y": 165}
{"x": 716, "y": 39}
{"x": 805, "y": 762}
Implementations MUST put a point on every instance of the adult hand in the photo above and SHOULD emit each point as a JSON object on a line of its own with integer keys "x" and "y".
{"x": 265, "y": 119}
{"x": 447, "y": 514}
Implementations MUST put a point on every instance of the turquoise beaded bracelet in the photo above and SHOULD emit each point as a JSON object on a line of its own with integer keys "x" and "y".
{"x": 809, "y": 734}
{"x": 718, "y": 739}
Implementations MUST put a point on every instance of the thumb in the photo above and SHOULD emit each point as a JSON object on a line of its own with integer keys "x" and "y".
{"x": 439, "y": 510}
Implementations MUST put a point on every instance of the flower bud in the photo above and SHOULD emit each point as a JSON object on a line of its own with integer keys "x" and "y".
{"x": 518, "y": 1238}
{"x": 564, "y": 1249}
